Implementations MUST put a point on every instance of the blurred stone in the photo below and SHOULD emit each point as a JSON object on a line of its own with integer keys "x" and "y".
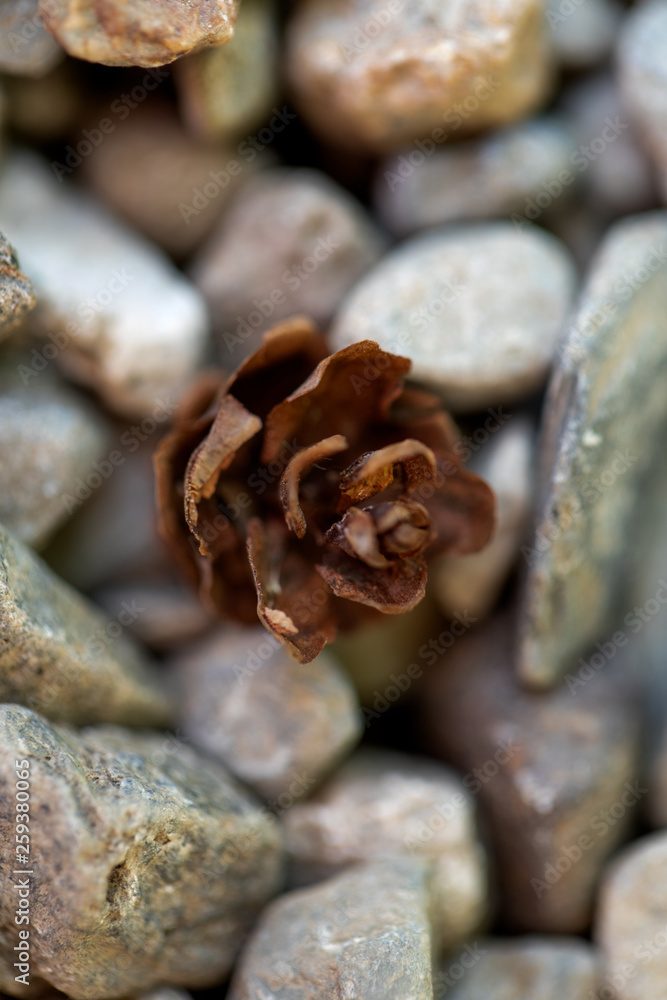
{"x": 294, "y": 242}
{"x": 26, "y": 48}
{"x": 375, "y": 656}
{"x": 112, "y": 537}
{"x": 583, "y": 33}
{"x": 170, "y": 615}
{"x": 657, "y": 798}
{"x": 50, "y": 438}
{"x": 364, "y": 933}
{"x": 491, "y": 176}
{"x": 473, "y": 584}
{"x": 596, "y": 458}
{"x": 642, "y": 72}
{"x": 524, "y": 968}
{"x": 123, "y": 320}
{"x": 17, "y": 296}
{"x": 556, "y": 773}
{"x": 382, "y": 804}
{"x": 227, "y": 91}
{"x": 613, "y": 168}
{"x": 631, "y": 925}
{"x": 151, "y": 865}
{"x": 476, "y": 308}
{"x": 377, "y": 75}
{"x": 152, "y": 173}
{"x": 278, "y": 725}
{"x": 139, "y": 33}
{"x": 61, "y": 657}
{"x": 46, "y": 108}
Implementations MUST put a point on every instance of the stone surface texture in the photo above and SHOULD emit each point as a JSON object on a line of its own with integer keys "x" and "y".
{"x": 451, "y": 302}
{"x": 597, "y": 458}
{"x": 150, "y": 861}
{"x": 140, "y": 33}
{"x": 26, "y": 48}
{"x": 556, "y": 774}
{"x": 364, "y": 933}
{"x": 17, "y": 296}
{"x": 377, "y": 75}
{"x": 276, "y": 724}
{"x": 131, "y": 325}
{"x": 381, "y": 804}
{"x": 60, "y": 656}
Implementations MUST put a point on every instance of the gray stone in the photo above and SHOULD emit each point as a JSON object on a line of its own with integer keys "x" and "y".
{"x": 152, "y": 173}
{"x": 123, "y": 319}
{"x": 476, "y": 308}
{"x": 148, "y": 863}
{"x": 26, "y": 48}
{"x": 631, "y": 925}
{"x": 167, "y": 614}
{"x": 49, "y": 439}
{"x": 381, "y": 804}
{"x": 642, "y": 72}
{"x": 555, "y": 772}
{"x": 61, "y": 657}
{"x": 364, "y": 933}
{"x": 524, "y": 968}
{"x": 294, "y": 242}
{"x": 583, "y": 33}
{"x": 278, "y": 725}
{"x": 472, "y": 585}
{"x": 17, "y": 296}
{"x": 491, "y": 176}
{"x": 597, "y": 457}
{"x": 376, "y": 75}
{"x": 227, "y": 91}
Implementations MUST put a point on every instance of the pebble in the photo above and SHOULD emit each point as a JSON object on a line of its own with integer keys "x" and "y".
{"x": 17, "y": 296}
{"x": 491, "y": 176}
{"x": 61, "y": 657}
{"x": 595, "y": 457}
{"x": 152, "y": 862}
{"x": 227, "y": 91}
{"x": 631, "y": 925}
{"x": 49, "y": 438}
{"x": 294, "y": 242}
{"x": 155, "y": 176}
{"x": 138, "y": 33}
{"x": 381, "y": 804}
{"x": 278, "y": 725}
{"x": 474, "y": 584}
{"x": 642, "y": 73}
{"x": 583, "y": 32}
{"x": 614, "y": 171}
{"x": 364, "y": 933}
{"x": 375, "y": 75}
{"x": 555, "y": 773}
{"x": 26, "y": 48}
{"x": 170, "y": 615}
{"x": 121, "y": 318}
{"x": 524, "y": 968}
{"x": 476, "y": 308}
{"x": 112, "y": 537}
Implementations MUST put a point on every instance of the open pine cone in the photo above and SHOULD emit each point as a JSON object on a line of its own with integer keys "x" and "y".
{"x": 309, "y": 489}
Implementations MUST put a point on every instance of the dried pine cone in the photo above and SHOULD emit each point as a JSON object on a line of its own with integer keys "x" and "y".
{"x": 316, "y": 486}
